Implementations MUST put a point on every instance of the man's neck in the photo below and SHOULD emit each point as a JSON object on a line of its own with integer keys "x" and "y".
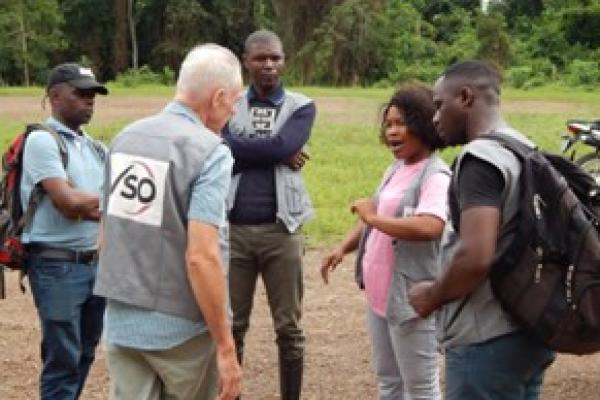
{"x": 191, "y": 103}
{"x": 264, "y": 92}
{"x": 74, "y": 128}
{"x": 485, "y": 122}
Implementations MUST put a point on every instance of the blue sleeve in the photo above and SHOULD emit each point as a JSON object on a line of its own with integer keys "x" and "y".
{"x": 210, "y": 189}
{"x": 258, "y": 152}
{"x": 41, "y": 158}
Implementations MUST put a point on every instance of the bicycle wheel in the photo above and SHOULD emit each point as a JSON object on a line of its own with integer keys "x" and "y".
{"x": 591, "y": 164}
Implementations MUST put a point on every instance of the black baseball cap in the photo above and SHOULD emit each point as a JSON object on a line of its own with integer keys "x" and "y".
{"x": 76, "y": 76}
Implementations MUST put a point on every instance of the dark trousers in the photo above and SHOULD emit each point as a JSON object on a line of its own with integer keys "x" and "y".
{"x": 271, "y": 251}
{"x": 71, "y": 322}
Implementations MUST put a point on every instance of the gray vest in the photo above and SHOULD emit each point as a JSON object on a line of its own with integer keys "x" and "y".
{"x": 479, "y": 316}
{"x": 151, "y": 168}
{"x": 293, "y": 203}
{"x": 413, "y": 261}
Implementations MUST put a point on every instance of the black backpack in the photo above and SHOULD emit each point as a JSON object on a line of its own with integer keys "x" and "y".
{"x": 548, "y": 279}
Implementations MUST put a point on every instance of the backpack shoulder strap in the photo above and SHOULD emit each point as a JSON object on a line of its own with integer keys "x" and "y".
{"x": 60, "y": 141}
{"x": 519, "y": 148}
{"x": 38, "y": 191}
{"x": 100, "y": 149}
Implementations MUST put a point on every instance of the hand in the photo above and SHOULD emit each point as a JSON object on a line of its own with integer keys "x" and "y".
{"x": 421, "y": 296}
{"x": 94, "y": 215}
{"x": 365, "y": 208}
{"x": 297, "y": 160}
{"x": 230, "y": 375}
{"x": 330, "y": 261}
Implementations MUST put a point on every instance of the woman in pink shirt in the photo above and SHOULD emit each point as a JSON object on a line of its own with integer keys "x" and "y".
{"x": 398, "y": 238}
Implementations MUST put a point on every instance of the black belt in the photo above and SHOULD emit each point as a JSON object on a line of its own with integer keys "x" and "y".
{"x": 66, "y": 255}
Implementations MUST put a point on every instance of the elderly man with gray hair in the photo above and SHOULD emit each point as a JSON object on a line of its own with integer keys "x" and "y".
{"x": 161, "y": 269}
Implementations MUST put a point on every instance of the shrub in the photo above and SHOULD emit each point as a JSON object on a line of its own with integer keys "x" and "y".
{"x": 583, "y": 73}
{"x": 423, "y": 73}
{"x": 536, "y": 80}
{"x": 168, "y": 76}
{"x": 518, "y": 76}
{"x": 141, "y": 76}
{"x": 544, "y": 68}
{"x": 383, "y": 84}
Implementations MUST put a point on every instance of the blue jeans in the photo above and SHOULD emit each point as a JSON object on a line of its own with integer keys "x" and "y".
{"x": 71, "y": 323}
{"x": 509, "y": 367}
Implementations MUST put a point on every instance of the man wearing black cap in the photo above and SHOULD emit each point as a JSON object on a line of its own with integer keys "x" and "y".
{"x": 61, "y": 239}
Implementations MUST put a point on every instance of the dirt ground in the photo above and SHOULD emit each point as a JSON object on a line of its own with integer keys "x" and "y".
{"x": 331, "y": 109}
{"x": 337, "y": 349}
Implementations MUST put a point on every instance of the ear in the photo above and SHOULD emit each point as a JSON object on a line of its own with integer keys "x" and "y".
{"x": 53, "y": 93}
{"x": 217, "y": 98}
{"x": 245, "y": 60}
{"x": 467, "y": 96}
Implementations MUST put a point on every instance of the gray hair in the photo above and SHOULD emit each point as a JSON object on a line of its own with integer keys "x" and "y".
{"x": 207, "y": 66}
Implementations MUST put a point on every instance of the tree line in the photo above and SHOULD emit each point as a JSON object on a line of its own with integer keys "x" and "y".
{"x": 327, "y": 42}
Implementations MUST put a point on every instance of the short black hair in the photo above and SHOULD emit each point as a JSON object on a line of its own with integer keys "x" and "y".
{"x": 415, "y": 101}
{"x": 476, "y": 73}
{"x": 260, "y": 36}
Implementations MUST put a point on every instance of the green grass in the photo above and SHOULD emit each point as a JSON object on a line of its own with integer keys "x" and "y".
{"x": 144, "y": 90}
{"x": 347, "y": 160}
{"x": 555, "y": 92}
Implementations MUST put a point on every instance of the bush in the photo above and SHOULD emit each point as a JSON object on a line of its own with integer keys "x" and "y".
{"x": 584, "y": 73}
{"x": 168, "y": 76}
{"x": 535, "y": 81}
{"x": 539, "y": 72}
{"x": 423, "y": 73}
{"x": 518, "y": 76}
{"x": 544, "y": 68}
{"x": 382, "y": 84}
{"x": 145, "y": 76}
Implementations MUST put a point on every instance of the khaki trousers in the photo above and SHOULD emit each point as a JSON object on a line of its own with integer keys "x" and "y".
{"x": 185, "y": 372}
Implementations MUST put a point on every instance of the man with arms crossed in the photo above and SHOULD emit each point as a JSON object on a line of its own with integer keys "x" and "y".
{"x": 161, "y": 269}
{"x": 269, "y": 203}
{"x": 487, "y": 356}
{"x": 61, "y": 240}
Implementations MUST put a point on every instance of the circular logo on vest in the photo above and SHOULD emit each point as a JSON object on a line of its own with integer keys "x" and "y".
{"x": 138, "y": 185}
{"x": 137, "y": 192}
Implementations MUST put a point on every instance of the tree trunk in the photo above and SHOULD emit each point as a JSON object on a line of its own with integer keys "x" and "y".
{"x": 296, "y": 20}
{"x": 24, "y": 51}
{"x": 132, "y": 33}
{"x": 120, "y": 40}
{"x": 285, "y": 12}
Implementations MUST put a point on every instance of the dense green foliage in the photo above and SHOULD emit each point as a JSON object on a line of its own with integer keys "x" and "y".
{"x": 333, "y": 42}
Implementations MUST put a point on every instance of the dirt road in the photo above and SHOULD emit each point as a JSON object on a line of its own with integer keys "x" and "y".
{"x": 337, "y": 365}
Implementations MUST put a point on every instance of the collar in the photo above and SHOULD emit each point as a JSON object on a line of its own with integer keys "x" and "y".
{"x": 177, "y": 107}
{"x": 275, "y": 98}
{"x": 62, "y": 128}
